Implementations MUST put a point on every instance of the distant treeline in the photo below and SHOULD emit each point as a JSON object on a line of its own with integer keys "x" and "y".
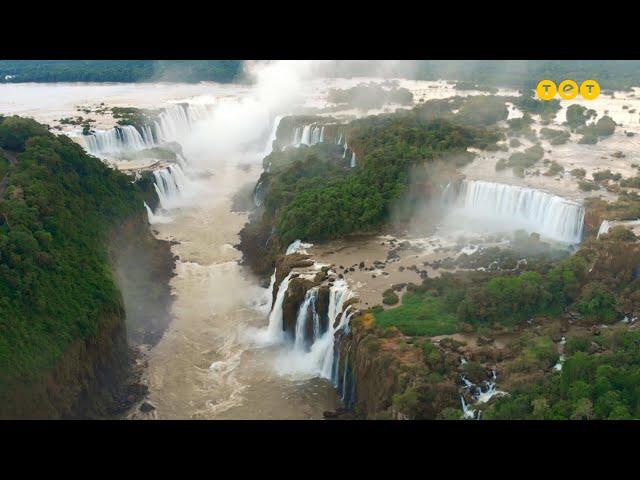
{"x": 611, "y": 74}
{"x": 517, "y": 74}
{"x": 223, "y": 71}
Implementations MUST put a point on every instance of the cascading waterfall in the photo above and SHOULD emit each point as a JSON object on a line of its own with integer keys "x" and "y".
{"x": 297, "y": 136}
{"x": 173, "y": 123}
{"x": 316, "y": 134}
{"x": 353, "y": 159}
{"x": 155, "y": 218}
{"x": 272, "y": 282}
{"x": 272, "y": 137}
{"x": 176, "y": 120}
{"x": 604, "y": 228}
{"x": 313, "y": 351}
{"x": 306, "y": 312}
{"x": 169, "y": 183}
{"x": 480, "y": 394}
{"x": 551, "y": 216}
{"x": 274, "y": 330}
{"x": 258, "y": 194}
{"x": 298, "y": 246}
{"x": 118, "y": 139}
{"x": 338, "y": 294}
{"x": 308, "y": 135}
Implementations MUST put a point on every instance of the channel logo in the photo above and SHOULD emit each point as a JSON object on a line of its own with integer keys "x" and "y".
{"x": 568, "y": 89}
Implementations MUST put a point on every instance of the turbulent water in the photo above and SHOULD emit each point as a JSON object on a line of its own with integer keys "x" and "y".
{"x": 223, "y": 352}
{"x": 210, "y": 364}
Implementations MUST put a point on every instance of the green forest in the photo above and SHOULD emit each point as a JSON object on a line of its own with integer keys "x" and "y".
{"x": 314, "y": 195}
{"x": 58, "y": 208}
{"x": 222, "y": 71}
{"x": 610, "y": 74}
{"x": 603, "y": 386}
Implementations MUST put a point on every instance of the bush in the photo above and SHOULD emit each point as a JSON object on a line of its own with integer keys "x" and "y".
{"x": 579, "y": 172}
{"x": 606, "y": 175}
{"x": 605, "y": 126}
{"x": 577, "y": 115}
{"x": 633, "y": 182}
{"x": 389, "y": 297}
{"x": 587, "y": 186}
{"x": 555, "y": 137}
{"x": 554, "y": 169}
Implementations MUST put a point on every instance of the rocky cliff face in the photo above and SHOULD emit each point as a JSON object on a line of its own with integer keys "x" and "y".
{"x": 259, "y": 244}
{"x": 381, "y": 368}
{"x": 387, "y": 375}
{"x": 143, "y": 266}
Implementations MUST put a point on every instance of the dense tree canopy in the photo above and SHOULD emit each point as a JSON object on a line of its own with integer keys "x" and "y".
{"x": 119, "y": 70}
{"x": 56, "y": 213}
{"x": 314, "y": 195}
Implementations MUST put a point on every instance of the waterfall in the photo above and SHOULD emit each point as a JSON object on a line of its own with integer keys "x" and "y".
{"x": 118, "y": 139}
{"x": 316, "y": 134}
{"x": 301, "y": 339}
{"x": 561, "y": 357}
{"x": 338, "y": 294}
{"x": 155, "y": 219}
{"x": 259, "y": 193}
{"x": 346, "y": 147}
{"x": 551, "y": 216}
{"x": 604, "y": 228}
{"x": 173, "y": 123}
{"x": 297, "y": 136}
{"x": 274, "y": 330}
{"x": 298, "y": 247}
{"x": 306, "y": 135}
{"x": 448, "y": 194}
{"x": 272, "y": 138}
{"x": 468, "y": 412}
{"x": 272, "y": 282}
{"x": 176, "y": 120}
{"x": 480, "y": 393}
{"x": 353, "y": 159}
{"x": 313, "y": 354}
{"x": 169, "y": 183}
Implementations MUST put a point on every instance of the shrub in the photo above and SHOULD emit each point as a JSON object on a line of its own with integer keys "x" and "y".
{"x": 389, "y": 297}
{"x": 579, "y": 172}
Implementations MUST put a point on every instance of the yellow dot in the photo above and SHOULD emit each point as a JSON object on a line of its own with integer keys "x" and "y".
{"x": 590, "y": 89}
{"x": 568, "y": 89}
{"x": 546, "y": 90}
